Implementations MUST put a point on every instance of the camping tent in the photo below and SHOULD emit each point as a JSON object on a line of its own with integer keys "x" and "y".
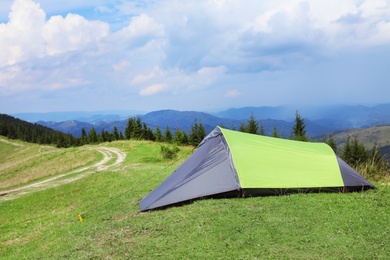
{"x": 231, "y": 163}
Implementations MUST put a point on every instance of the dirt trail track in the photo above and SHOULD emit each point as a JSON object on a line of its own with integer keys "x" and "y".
{"x": 58, "y": 180}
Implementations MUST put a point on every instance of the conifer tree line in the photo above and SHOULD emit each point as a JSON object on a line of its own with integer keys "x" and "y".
{"x": 137, "y": 130}
{"x": 14, "y": 128}
{"x": 354, "y": 153}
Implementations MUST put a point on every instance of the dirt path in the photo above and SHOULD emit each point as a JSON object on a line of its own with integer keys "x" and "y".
{"x": 58, "y": 180}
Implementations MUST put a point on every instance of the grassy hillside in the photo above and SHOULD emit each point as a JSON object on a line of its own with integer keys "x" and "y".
{"x": 378, "y": 135}
{"x": 373, "y": 136}
{"x": 22, "y": 163}
{"x": 44, "y": 224}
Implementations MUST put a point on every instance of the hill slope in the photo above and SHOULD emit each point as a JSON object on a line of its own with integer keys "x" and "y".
{"x": 45, "y": 225}
{"x": 24, "y": 163}
{"x": 377, "y": 135}
{"x": 373, "y": 136}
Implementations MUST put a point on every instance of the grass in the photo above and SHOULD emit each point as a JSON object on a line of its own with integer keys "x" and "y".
{"x": 24, "y": 163}
{"x": 44, "y": 224}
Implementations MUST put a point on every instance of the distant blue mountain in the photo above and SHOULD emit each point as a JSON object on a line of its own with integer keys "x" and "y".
{"x": 91, "y": 117}
{"x": 343, "y": 115}
{"x": 183, "y": 120}
{"x": 319, "y": 120}
{"x": 286, "y": 113}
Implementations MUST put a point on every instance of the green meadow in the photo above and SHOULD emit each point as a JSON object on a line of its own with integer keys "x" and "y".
{"x": 44, "y": 223}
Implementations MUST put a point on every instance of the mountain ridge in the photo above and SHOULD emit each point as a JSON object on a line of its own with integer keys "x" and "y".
{"x": 323, "y": 120}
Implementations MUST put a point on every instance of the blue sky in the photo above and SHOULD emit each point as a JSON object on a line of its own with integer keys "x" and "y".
{"x": 192, "y": 55}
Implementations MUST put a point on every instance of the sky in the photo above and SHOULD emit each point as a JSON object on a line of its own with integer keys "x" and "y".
{"x": 198, "y": 55}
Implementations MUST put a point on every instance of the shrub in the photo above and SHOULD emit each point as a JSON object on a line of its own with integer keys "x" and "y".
{"x": 376, "y": 166}
{"x": 369, "y": 163}
{"x": 168, "y": 152}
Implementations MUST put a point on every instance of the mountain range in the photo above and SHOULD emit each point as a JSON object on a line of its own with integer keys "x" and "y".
{"x": 319, "y": 120}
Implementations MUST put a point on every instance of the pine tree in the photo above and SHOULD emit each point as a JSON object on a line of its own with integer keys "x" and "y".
{"x": 275, "y": 132}
{"x": 242, "y": 127}
{"x": 116, "y": 134}
{"x": 261, "y": 129}
{"x": 193, "y": 136}
{"x": 84, "y": 137}
{"x": 180, "y": 137}
{"x": 168, "y": 135}
{"x": 144, "y": 132}
{"x": 107, "y": 136}
{"x": 332, "y": 143}
{"x": 92, "y": 136}
{"x": 252, "y": 127}
{"x": 196, "y": 134}
{"x": 158, "y": 134}
{"x": 359, "y": 153}
{"x": 299, "y": 132}
{"x": 137, "y": 130}
{"x": 148, "y": 133}
{"x": 354, "y": 152}
{"x": 60, "y": 141}
{"x": 103, "y": 136}
{"x": 201, "y": 132}
{"x": 346, "y": 155}
{"x": 129, "y": 130}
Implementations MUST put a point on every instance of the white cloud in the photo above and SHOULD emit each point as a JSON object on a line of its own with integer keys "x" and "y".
{"x": 266, "y": 35}
{"x": 144, "y": 78}
{"x": 71, "y": 33}
{"x": 7, "y": 75}
{"x": 207, "y": 75}
{"x": 28, "y": 35}
{"x": 21, "y": 37}
{"x": 192, "y": 46}
{"x": 153, "y": 89}
{"x": 139, "y": 32}
{"x": 141, "y": 78}
{"x": 211, "y": 71}
{"x": 143, "y": 25}
{"x": 121, "y": 66}
{"x": 232, "y": 93}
